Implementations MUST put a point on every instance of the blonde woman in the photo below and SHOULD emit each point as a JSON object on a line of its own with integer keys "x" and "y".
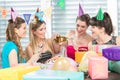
{"x": 38, "y": 42}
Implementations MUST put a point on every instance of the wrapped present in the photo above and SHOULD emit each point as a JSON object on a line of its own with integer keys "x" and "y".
{"x": 78, "y": 56}
{"x": 54, "y": 75}
{"x": 114, "y": 66}
{"x": 112, "y": 53}
{"x": 98, "y": 48}
{"x": 16, "y": 73}
{"x": 98, "y": 67}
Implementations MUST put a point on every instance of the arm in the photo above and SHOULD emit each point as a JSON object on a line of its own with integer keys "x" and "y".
{"x": 118, "y": 41}
{"x": 13, "y": 59}
{"x": 29, "y": 51}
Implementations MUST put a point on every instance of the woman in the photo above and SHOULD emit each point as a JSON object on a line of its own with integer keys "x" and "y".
{"x": 102, "y": 30}
{"x": 38, "y": 43}
{"x": 78, "y": 37}
{"x": 12, "y": 53}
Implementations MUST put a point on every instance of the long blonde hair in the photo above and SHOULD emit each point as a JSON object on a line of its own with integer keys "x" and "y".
{"x": 12, "y": 36}
{"x": 34, "y": 25}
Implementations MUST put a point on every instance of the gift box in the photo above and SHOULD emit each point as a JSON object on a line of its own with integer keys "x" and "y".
{"x": 54, "y": 75}
{"x": 16, "y": 73}
{"x": 98, "y": 67}
{"x": 114, "y": 66}
{"x": 98, "y": 48}
{"x": 112, "y": 53}
{"x": 78, "y": 56}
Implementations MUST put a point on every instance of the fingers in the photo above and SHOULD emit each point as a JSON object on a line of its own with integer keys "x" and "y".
{"x": 54, "y": 36}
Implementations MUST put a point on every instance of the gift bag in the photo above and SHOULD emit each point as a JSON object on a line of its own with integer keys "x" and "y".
{"x": 78, "y": 56}
{"x": 112, "y": 53}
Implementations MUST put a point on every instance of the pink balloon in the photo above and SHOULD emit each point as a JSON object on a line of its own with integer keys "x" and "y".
{"x": 74, "y": 64}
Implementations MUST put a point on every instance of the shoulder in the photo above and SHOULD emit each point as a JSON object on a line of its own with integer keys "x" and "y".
{"x": 70, "y": 32}
{"x": 118, "y": 40}
{"x": 49, "y": 40}
{"x": 89, "y": 37}
{"x": 28, "y": 46}
{"x": 9, "y": 46}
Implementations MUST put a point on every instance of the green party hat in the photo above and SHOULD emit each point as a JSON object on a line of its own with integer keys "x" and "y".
{"x": 100, "y": 15}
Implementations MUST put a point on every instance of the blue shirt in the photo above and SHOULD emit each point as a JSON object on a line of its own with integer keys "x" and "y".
{"x": 7, "y": 48}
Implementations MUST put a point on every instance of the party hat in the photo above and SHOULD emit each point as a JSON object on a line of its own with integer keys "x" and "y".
{"x": 39, "y": 14}
{"x": 100, "y": 15}
{"x": 80, "y": 11}
{"x": 13, "y": 14}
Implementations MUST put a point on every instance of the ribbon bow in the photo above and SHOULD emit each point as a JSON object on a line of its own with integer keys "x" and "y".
{"x": 39, "y": 15}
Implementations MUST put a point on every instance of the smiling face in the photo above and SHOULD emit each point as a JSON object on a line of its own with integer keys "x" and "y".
{"x": 81, "y": 27}
{"x": 40, "y": 31}
{"x": 96, "y": 31}
{"x": 21, "y": 32}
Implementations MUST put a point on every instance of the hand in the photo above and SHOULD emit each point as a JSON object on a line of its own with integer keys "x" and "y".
{"x": 54, "y": 36}
{"x": 34, "y": 58}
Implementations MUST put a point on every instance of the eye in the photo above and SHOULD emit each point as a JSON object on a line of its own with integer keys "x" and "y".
{"x": 25, "y": 27}
{"x": 78, "y": 25}
{"x": 41, "y": 29}
{"x": 93, "y": 26}
{"x": 83, "y": 26}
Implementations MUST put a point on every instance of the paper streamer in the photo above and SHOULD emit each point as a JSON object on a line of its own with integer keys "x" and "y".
{"x": 27, "y": 17}
{"x": 4, "y": 12}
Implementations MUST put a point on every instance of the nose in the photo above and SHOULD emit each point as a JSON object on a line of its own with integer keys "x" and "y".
{"x": 79, "y": 28}
{"x": 44, "y": 31}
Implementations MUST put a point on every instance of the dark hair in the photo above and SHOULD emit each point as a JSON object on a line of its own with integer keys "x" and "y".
{"x": 84, "y": 17}
{"x": 106, "y": 23}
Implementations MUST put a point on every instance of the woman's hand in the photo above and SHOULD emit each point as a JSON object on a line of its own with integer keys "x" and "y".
{"x": 34, "y": 58}
{"x": 54, "y": 36}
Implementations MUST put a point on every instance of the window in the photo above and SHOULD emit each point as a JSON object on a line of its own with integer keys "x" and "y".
{"x": 118, "y": 17}
{"x": 64, "y": 20}
{"x": 21, "y": 7}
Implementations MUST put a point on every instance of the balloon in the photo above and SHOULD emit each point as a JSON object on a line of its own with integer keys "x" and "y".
{"x": 74, "y": 64}
{"x": 63, "y": 63}
{"x": 83, "y": 66}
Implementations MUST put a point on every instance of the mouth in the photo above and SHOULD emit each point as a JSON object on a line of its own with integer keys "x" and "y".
{"x": 92, "y": 32}
{"x": 79, "y": 31}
